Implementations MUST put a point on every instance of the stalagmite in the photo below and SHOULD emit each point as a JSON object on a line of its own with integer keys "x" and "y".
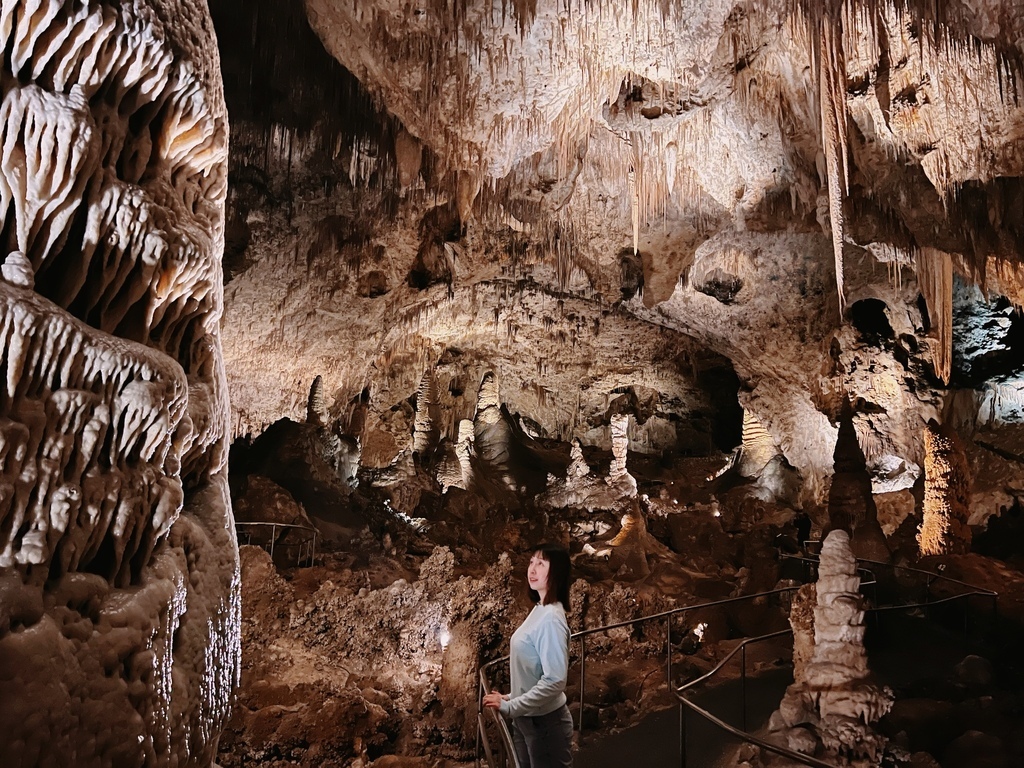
{"x": 757, "y": 446}
{"x": 618, "y": 475}
{"x": 492, "y": 436}
{"x": 944, "y": 529}
{"x": 464, "y": 452}
{"x": 851, "y": 503}
{"x": 425, "y": 426}
{"x": 578, "y": 467}
{"x": 833, "y": 696}
{"x": 316, "y": 405}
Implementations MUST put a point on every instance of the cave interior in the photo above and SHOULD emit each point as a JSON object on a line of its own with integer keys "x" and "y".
{"x": 319, "y": 317}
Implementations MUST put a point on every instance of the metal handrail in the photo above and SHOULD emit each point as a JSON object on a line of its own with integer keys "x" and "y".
{"x": 508, "y": 750}
{"x": 301, "y": 557}
{"x": 808, "y": 760}
{"x": 893, "y": 566}
{"x": 482, "y": 740}
{"x": 932, "y": 577}
{"x": 743, "y": 735}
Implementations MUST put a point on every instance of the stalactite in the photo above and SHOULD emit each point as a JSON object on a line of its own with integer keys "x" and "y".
{"x": 935, "y": 278}
{"x": 832, "y": 103}
{"x": 634, "y": 207}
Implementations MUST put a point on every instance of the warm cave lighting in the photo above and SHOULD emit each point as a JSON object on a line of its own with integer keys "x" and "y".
{"x": 444, "y": 637}
{"x": 698, "y": 631}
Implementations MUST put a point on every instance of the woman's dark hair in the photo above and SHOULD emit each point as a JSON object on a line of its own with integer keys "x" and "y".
{"x": 558, "y": 575}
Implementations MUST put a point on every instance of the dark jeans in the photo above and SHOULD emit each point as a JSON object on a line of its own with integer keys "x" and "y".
{"x": 544, "y": 741}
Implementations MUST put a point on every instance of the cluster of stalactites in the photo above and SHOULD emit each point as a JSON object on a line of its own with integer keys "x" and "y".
{"x": 833, "y": 31}
{"x": 92, "y": 448}
{"x": 853, "y": 30}
{"x": 99, "y": 116}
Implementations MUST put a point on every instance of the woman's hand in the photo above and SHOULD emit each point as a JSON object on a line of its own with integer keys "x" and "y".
{"x": 493, "y": 700}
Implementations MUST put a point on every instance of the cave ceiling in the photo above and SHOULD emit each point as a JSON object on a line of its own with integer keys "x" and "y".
{"x": 584, "y": 197}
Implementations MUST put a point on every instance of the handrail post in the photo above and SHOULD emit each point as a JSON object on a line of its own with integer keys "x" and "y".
{"x": 743, "y": 686}
{"x": 668, "y": 651}
{"x": 273, "y": 535}
{"x": 967, "y": 617}
{"x": 479, "y": 712}
{"x": 583, "y": 677}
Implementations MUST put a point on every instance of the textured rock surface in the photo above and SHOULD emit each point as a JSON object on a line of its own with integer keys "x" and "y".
{"x": 643, "y": 203}
{"x": 944, "y": 528}
{"x": 834, "y": 692}
{"x": 638, "y": 217}
{"x": 119, "y": 637}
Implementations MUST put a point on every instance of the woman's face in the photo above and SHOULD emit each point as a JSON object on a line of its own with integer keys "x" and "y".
{"x": 537, "y": 573}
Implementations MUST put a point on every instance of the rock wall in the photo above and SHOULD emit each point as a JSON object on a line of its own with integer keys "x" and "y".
{"x": 119, "y": 610}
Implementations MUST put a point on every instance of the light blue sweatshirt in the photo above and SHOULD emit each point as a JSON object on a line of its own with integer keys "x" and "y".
{"x": 539, "y": 662}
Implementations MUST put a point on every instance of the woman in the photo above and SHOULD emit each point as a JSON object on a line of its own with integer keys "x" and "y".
{"x": 539, "y": 663}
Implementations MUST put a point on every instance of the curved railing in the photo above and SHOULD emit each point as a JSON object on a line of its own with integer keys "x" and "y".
{"x": 873, "y": 567}
{"x": 740, "y": 733}
{"x": 507, "y": 756}
{"x": 869, "y": 570}
{"x": 927, "y": 580}
{"x": 306, "y": 547}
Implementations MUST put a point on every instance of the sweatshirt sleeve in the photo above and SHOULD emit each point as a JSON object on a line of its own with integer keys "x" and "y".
{"x": 552, "y": 641}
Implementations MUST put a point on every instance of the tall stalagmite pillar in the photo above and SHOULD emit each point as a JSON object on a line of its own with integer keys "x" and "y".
{"x": 944, "y": 529}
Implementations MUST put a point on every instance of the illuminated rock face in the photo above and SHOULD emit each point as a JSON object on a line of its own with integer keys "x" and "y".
{"x": 383, "y": 267}
{"x": 947, "y": 484}
{"x": 736, "y": 169}
{"x": 119, "y": 610}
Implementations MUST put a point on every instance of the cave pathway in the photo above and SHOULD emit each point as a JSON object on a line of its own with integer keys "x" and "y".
{"x": 897, "y": 655}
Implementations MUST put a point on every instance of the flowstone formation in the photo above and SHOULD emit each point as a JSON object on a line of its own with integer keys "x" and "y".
{"x": 119, "y": 584}
{"x": 832, "y": 699}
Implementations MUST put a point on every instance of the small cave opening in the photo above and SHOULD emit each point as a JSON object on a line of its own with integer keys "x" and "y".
{"x": 869, "y": 317}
